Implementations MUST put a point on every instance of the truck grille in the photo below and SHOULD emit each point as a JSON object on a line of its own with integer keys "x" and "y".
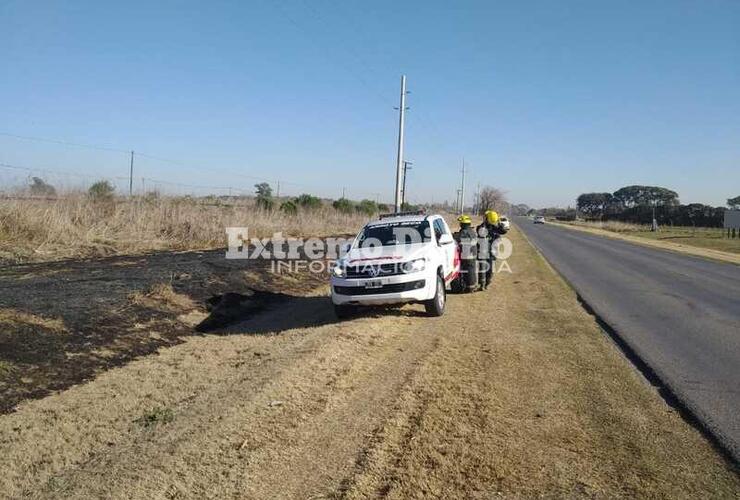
{"x": 392, "y": 288}
{"x": 376, "y": 271}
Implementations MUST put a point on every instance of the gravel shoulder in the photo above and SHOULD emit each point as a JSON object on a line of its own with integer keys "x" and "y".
{"x": 515, "y": 391}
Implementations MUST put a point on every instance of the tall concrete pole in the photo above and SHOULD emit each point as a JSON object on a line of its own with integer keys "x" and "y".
{"x": 399, "y": 159}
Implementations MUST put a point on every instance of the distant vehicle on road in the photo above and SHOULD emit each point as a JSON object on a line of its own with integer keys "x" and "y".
{"x": 539, "y": 219}
{"x": 399, "y": 258}
{"x": 505, "y": 222}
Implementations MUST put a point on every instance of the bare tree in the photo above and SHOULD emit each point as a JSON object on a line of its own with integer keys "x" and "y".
{"x": 492, "y": 198}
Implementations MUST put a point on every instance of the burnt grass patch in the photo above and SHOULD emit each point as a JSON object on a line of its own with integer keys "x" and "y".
{"x": 62, "y": 323}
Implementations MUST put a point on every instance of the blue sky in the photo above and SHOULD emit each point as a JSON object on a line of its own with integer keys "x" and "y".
{"x": 543, "y": 99}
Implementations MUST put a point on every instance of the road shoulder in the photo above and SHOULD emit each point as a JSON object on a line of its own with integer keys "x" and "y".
{"x": 706, "y": 253}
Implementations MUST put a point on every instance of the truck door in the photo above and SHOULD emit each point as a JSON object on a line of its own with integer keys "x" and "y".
{"x": 448, "y": 249}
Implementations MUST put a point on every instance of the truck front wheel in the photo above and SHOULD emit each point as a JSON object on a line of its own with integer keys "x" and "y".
{"x": 436, "y": 305}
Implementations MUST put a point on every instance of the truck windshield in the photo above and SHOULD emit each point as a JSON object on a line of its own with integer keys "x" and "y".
{"x": 395, "y": 233}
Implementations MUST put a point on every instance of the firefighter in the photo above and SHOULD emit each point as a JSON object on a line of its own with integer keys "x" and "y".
{"x": 467, "y": 239}
{"x": 488, "y": 232}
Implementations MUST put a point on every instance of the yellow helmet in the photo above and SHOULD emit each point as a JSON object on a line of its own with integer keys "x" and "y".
{"x": 464, "y": 219}
{"x": 491, "y": 217}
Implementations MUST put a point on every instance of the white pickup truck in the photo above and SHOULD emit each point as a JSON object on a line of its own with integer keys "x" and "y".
{"x": 406, "y": 257}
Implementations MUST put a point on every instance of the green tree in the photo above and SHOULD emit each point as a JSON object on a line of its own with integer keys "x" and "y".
{"x": 308, "y": 202}
{"x": 631, "y": 196}
{"x": 594, "y": 204}
{"x": 734, "y": 203}
{"x": 39, "y": 187}
{"x": 264, "y": 196}
{"x": 343, "y": 205}
{"x": 101, "y": 191}
{"x": 367, "y": 207}
{"x": 382, "y": 207}
{"x": 289, "y": 207}
{"x": 520, "y": 209}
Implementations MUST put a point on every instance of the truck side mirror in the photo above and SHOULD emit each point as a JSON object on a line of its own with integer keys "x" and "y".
{"x": 445, "y": 239}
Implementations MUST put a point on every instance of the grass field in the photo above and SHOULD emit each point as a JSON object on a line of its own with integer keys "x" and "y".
{"x": 513, "y": 393}
{"x": 76, "y": 226}
{"x": 701, "y": 237}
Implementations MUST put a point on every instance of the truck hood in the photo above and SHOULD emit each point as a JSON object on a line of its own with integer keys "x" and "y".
{"x": 384, "y": 255}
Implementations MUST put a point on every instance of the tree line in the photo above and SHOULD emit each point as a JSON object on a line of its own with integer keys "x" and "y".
{"x": 266, "y": 201}
{"x": 636, "y": 204}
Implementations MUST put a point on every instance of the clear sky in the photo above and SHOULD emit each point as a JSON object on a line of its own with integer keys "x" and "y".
{"x": 543, "y": 99}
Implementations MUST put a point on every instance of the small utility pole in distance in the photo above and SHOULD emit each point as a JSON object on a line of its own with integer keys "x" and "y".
{"x": 131, "y": 176}
{"x": 399, "y": 158}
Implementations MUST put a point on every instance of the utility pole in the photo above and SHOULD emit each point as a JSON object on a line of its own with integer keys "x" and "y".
{"x": 462, "y": 188}
{"x": 277, "y": 196}
{"x": 131, "y": 176}
{"x": 343, "y": 191}
{"x": 399, "y": 159}
{"x": 406, "y": 167}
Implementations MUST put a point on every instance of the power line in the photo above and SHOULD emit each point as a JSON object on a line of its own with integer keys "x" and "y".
{"x": 55, "y": 172}
{"x": 88, "y": 176}
{"x": 192, "y": 167}
{"x": 64, "y": 143}
{"x": 69, "y": 173}
{"x": 127, "y": 152}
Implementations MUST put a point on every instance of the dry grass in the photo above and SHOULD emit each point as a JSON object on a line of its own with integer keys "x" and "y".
{"x": 700, "y": 242}
{"x": 75, "y": 226}
{"x": 163, "y": 296}
{"x": 614, "y": 226}
{"x": 14, "y": 317}
{"x": 700, "y": 237}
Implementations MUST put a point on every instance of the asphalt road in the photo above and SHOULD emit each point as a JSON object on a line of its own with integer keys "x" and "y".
{"x": 679, "y": 314}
